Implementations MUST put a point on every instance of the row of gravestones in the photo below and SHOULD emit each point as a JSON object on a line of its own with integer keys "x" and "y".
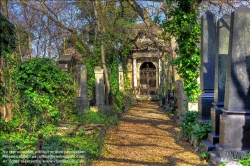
{"x": 66, "y": 63}
{"x": 225, "y": 83}
{"x": 71, "y": 63}
{"x": 82, "y": 100}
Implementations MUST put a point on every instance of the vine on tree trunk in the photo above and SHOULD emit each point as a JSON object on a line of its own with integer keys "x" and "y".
{"x": 183, "y": 25}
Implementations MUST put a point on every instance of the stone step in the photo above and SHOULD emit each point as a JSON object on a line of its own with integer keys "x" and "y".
{"x": 208, "y": 145}
{"x": 214, "y": 139}
{"x": 218, "y": 148}
{"x": 214, "y": 158}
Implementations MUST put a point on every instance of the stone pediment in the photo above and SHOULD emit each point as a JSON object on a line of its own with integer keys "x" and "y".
{"x": 145, "y": 39}
{"x": 69, "y": 52}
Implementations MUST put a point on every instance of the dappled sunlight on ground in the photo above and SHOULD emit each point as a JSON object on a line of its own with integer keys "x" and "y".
{"x": 146, "y": 136}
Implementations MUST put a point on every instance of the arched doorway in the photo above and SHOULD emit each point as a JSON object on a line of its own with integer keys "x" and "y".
{"x": 147, "y": 79}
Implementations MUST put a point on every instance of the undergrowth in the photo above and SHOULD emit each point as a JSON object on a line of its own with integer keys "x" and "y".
{"x": 245, "y": 161}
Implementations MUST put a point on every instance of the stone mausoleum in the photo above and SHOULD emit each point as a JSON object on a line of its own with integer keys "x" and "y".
{"x": 147, "y": 62}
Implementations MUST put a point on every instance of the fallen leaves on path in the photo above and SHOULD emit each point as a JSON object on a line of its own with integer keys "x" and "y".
{"x": 146, "y": 136}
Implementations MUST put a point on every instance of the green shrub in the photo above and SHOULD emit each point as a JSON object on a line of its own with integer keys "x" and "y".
{"x": 200, "y": 130}
{"x": 99, "y": 118}
{"x": 204, "y": 154}
{"x": 187, "y": 124}
{"x": 46, "y": 94}
{"x": 245, "y": 161}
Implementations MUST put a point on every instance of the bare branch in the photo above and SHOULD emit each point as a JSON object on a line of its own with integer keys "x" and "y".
{"x": 48, "y": 15}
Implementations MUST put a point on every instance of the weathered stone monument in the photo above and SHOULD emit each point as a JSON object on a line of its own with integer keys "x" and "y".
{"x": 235, "y": 120}
{"x": 82, "y": 100}
{"x": 181, "y": 101}
{"x": 223, "y": 28}
{"x": 72, "y": 62}
{"x": 146, "y": 61}
{"x": 99, "y": 86}
{"x": 208, "y": 52}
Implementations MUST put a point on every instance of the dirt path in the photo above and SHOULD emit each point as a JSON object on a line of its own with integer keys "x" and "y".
{"x": 146, "y": 136}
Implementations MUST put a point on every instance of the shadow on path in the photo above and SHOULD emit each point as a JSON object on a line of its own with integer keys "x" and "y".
{"x": 146, "y": 136}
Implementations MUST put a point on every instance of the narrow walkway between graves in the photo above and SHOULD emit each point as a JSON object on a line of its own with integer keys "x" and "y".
{"x": 146, "y": 136}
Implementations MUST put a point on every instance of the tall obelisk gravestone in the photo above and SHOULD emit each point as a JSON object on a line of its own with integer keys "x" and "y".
{"x": 223, "y": 28}
{"x": 235, "y": 120}
{"x": 208, "y": 52}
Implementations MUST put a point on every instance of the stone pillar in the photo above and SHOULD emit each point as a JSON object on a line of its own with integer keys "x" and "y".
{"x": 82, "y": 100}
{"x": 83, "y": 81}
{"x": 160, "y": 71}
{"x": 99, "y": 86}
{"x": 235, "y": 120}
{"x": 208, "y": 52}
{"x": 134, "y": 73}
{"x": 121, "y": 78}
{"x": 181, "y": 101}
{"x": 130, "y": 73}
{"x": 223, "y": 28}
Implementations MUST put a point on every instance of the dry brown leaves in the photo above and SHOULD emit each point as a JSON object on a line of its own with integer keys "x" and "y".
{"x": 146, "y": 136}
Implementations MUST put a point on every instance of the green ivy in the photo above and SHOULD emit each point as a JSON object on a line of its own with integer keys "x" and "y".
{"x": 91, "y": 117}
{"x": 91, "y": 60}
{"x": 204, "y": 154}
{"x": 7, "y": 46}
{"x": 7, "y": 37}
{"x": 187, "y": 124}
{"x": 183, "y": 25}
{"x": 200, "y": 130}
{"x": 245, "y": 161}
{"x": 46, "y": 94}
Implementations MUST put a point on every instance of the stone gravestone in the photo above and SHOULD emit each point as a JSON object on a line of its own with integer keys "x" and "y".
{"x": 223, "y": 28}
{"x": 181, "y": 101}
{"x": 208, "y": 52}
{"x": 82, "y": 100}
{"x": 99, "y": 86}
{"x": 235, "y": 120}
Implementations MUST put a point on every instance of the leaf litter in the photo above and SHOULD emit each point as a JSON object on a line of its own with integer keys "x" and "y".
{"x": 147, "y": 136}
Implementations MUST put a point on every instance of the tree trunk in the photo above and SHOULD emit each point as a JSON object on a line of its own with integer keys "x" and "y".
{"x": 107, "y": 90}
{"x": 5, "y": 109}
{"x": 30, "y": 46}
{"x": 4, "y": 8}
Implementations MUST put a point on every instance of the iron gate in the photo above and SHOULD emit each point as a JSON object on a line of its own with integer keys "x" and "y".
{"x": 148, "y": 81}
